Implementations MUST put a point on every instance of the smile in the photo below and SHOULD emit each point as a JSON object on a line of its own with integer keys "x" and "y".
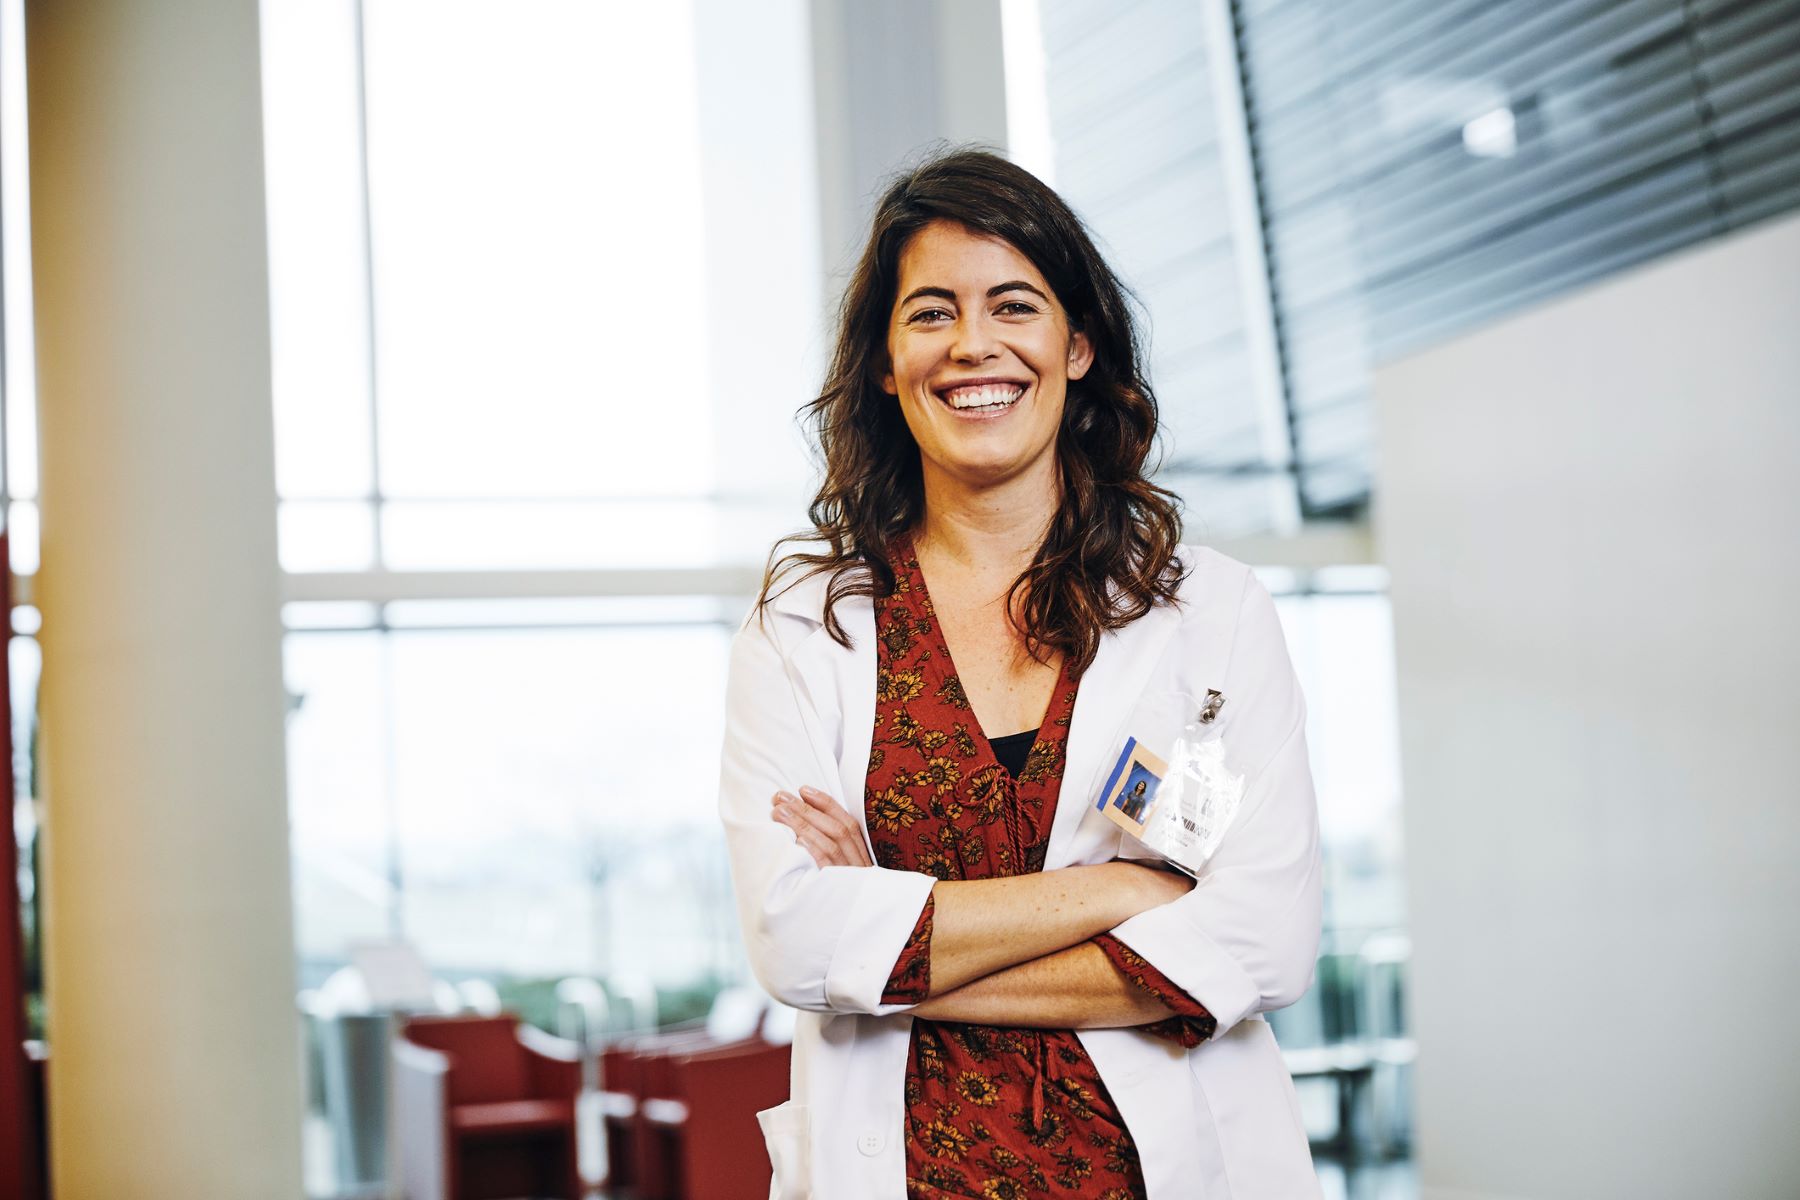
{"x": 983, "y": 399}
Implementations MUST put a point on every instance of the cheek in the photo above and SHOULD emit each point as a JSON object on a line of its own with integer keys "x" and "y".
{"x": 910, "y": 364}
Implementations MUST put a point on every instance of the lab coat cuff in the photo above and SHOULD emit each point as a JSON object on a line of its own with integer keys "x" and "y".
{"x": 881, "y": 919}
{"x": 1173, "y": 943}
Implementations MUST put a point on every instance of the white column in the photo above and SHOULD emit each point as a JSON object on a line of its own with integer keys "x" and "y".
{"x": 169, "y": 946}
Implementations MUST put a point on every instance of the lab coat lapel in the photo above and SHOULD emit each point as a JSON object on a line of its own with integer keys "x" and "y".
{"x": 1124, "y": 664}
{"x": 836, "y": 680}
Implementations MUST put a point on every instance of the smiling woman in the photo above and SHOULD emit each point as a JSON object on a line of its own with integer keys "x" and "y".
{"x": 976, "y": 273}
{"x": 998, "y": 1004}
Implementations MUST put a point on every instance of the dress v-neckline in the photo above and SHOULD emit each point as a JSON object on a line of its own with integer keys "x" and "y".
{"x": 910, "y": 557}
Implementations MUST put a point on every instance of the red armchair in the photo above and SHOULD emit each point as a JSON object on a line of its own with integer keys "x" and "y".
{"x": 681, "y": 1114}
{"x": 633, "y": 1166}
{"x": 484, "y": 1107}
{"x": 701, "y": 1115}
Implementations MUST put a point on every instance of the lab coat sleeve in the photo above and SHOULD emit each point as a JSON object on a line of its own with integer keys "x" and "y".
{"x": 1246, "y": 938}
{"x": 822, "y": 939}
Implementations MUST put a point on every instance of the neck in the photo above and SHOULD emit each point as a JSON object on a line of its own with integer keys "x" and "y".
{"x": 988, "y": 528}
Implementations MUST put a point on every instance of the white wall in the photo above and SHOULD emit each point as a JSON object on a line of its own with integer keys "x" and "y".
{"x": 1588, "y": 513}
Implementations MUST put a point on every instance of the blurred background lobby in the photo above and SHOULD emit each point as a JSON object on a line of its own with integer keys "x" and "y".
{"x": 399, "y": 403}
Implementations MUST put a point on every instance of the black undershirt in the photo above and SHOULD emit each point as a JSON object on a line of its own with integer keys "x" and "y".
{"x": 1013, "y": 749}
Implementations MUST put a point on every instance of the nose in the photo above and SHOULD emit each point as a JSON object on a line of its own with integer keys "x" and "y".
{"x": 974, "y": 339}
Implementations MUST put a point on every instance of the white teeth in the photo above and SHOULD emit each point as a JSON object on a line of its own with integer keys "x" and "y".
{"x": 988, "y": 396}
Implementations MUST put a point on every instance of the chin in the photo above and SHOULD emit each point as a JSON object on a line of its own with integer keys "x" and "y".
{"x": 993, "y": 468}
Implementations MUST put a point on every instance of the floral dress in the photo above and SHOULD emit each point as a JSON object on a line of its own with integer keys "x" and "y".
{"x": 992, "y": 1111}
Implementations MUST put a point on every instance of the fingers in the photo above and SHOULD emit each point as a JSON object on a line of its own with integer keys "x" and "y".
{"x": 791, "y": 811}
{"x": 839, "y": 825}
{"x": 828, "y": 821}
{"x": 826, "y": 850}
{"x": 822, "y": 851}
{"x": 832, "y": 823}
{"x": 822, "y": 827}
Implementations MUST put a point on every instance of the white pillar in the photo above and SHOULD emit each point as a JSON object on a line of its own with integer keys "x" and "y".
{"x": 168, "y": 925}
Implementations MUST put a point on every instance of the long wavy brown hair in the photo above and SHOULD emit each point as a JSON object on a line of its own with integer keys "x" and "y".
{"x": 1109, "y": 553}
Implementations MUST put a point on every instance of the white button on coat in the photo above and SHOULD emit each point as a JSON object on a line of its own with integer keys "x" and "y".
{"x": 1219, "y": 1121}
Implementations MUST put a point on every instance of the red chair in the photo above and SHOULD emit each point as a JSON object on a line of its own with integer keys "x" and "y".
{"x": 700, "y": 1115}
{"x": 484, "y": 1108}
{"x": 625, "y": 1064}
{"x": 680, "y": 1109}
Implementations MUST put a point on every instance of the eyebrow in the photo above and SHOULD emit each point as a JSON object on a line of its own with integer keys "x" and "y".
{"x": 944, "y": 293}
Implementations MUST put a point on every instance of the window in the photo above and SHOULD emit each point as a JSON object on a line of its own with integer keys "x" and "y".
{"x": 538, "y": 344}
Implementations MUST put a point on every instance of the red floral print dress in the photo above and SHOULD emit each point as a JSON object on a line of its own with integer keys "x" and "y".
{"x": 994, "y": 1112}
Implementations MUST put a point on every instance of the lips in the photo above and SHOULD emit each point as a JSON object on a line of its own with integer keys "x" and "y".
{"x": 982, "y": 396}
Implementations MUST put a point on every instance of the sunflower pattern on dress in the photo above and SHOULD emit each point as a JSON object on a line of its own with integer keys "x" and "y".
{"x": 995, "y": 1112}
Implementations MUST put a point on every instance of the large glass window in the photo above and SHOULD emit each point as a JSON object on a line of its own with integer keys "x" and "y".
{"x": 539, "y": 341}
{"x": 530, "y": 799}
{"x": 511, "y": 291}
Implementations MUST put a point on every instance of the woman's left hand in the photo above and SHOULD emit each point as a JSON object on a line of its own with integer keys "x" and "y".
{"x": 822, "y": 828}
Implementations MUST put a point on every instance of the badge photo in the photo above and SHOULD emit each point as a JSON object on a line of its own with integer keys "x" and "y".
{"x": 1129, "y": 796}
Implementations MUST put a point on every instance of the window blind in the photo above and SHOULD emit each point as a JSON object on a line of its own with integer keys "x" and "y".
{"x": 1138, "y": 154}
{"x": 1426, "y": 167}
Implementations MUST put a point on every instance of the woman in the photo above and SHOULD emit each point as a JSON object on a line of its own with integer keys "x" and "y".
{"x": 995, "y": 1003}
{"x": 1135, "y": 800}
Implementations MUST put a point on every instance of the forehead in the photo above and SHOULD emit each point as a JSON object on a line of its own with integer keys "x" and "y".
{"x": 946, "y": 254}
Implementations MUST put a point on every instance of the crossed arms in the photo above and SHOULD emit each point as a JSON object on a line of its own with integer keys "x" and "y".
{"x": 824, "y": 931}
{"x": 1016, "y": 950}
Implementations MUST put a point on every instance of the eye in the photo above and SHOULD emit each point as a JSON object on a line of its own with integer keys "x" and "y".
{"x": 920, "y": 316}
{"x": 1018, "y": 304}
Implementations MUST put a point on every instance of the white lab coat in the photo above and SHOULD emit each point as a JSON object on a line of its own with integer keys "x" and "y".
{"x": 1218, "y": 1121}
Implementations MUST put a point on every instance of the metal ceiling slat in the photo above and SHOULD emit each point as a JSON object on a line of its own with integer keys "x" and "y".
{"x": 1134, "y": 124}
{"x": 1571, "y": 80}
{"x": 1392, "y": 251}
{"x": 1471, "y": 43}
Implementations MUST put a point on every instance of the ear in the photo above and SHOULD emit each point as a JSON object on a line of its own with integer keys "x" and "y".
{"x": 1081, "y": 355}
{"x": 887, "y": 380}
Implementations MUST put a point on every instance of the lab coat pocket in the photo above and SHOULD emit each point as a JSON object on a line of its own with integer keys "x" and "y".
{"x": 789, "y": 1144}
{"x": 1168, "y": 728}
{"x": 1245, "y": 1085}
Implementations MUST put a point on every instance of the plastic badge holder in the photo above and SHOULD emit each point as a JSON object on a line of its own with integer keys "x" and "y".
{"x": 1181, "y": 807}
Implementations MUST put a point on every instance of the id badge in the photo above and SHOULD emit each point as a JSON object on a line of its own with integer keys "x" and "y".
{"x": 1173, "y": 791}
